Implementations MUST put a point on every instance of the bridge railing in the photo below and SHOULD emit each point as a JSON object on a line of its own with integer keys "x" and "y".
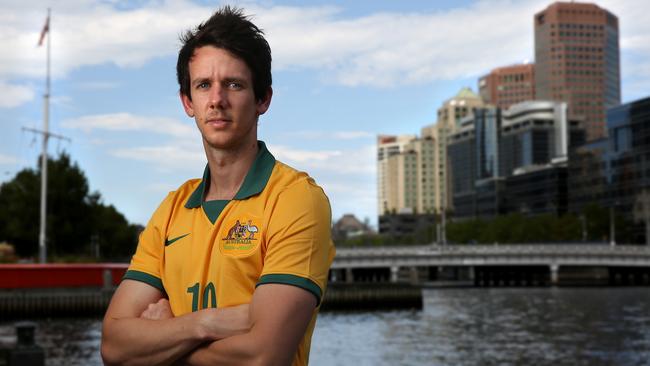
{"x": 591, "y": 248}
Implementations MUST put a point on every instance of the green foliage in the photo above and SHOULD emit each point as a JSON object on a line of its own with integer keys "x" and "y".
{"x": 76, "y": 218}
{"x": 597, "y": 222}
{"x": 516, "y": 228}
{"x": 424, "y": 236}
{"x": 547, "y": 228}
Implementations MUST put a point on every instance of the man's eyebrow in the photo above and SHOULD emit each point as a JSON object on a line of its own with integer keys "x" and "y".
{"x": 235, "y": 79}
{"x": 201, "y": 80}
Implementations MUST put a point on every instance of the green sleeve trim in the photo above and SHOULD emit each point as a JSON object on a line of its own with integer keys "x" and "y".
{"x": 287, "y": 279}
{"x": 146, "y": 278}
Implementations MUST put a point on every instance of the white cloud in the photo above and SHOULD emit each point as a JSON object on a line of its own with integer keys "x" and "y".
{"x": 98, "y": 85}
{"x": 347, "y": 176}
{"x": 359, "y": 199}
{"x": 634, "y": 27}
{"x": 130, "y": 122}
{"x": 326, "y": 162}
{"x": 85, "y": 32}
{"x": 337, "y": 135}
{"x": 63, "y": 101}
{"x": 293, "y": 155}
{"x": 8, "y": 160}
{"x": 161, "y": 187}
{"x": 351, "y": 135}
{"x": 379, "y": 49}
{"x": 392, "y": 49}
{"x": 99, "y": 141}
{"x": 14, "y": 95}
{"x": 166, "y": 158}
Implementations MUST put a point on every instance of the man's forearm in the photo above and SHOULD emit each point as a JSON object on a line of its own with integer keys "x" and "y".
{"x": 138, "y": 341}
{"x": 236, "y": 350}
{"x": 251, "y": 348}
{"x": 280, "y": 315}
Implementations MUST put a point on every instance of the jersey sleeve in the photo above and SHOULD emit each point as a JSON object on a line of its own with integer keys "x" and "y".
{"x": 299, "y": 249}
{"x": 146, "y": 262}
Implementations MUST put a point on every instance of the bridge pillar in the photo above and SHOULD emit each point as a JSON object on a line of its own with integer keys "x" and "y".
{"x": 334, "y": 275}
{"x": 555, "y": 269}
{"x": 414, "y": 275}
{"x": 108, "y": 279}
{"x": 349, "y": 276}
{"x": 394, "y": 272}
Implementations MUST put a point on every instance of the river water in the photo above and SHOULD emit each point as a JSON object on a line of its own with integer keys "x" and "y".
{"x": 475, "y": 326}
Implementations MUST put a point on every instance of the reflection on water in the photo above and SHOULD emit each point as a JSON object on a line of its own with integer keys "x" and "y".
{"x": 517, "y": 326}
{"x": 73, "y": 342}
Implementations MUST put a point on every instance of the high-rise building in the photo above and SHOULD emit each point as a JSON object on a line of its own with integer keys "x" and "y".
{"x": 405, "y": 166}
{"x": 577, "y": 61}
{"x": 508, "y": 85}
{"x": 615, "y": 172}
{"x": 426, "y": 189}
{"x": 473, "y": 167}
{"x": 389, "y": 185}
{"x": 450, "y": 114}
{"x": 513, "y": 160}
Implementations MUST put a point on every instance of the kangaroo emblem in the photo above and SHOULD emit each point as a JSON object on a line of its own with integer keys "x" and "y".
{"x": 235, "y": 230}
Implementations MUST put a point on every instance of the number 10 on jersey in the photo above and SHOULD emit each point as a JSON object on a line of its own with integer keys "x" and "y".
{"x": 209, "y": 294}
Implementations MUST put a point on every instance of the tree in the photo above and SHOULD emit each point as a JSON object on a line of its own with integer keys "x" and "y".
{"x": 117, "y": 239}
{"x": 76, "y": 218}
{"x": 597, "y": 222}
{"x": 19, "y": 212}
{"x": 516, "y": 228}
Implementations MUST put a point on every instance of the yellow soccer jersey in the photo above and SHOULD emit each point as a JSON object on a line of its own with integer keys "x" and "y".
{"x": 215, "y": 253}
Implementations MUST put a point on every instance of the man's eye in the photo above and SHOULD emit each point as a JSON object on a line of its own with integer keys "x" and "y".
{"x": 203, "y": 85}
{"x": 234, "y": 85}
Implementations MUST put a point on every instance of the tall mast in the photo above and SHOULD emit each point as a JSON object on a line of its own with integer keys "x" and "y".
{"x": 42, "y": 249}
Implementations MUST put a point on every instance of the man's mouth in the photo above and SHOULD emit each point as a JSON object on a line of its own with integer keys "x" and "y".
{"x": 218, "y": 121}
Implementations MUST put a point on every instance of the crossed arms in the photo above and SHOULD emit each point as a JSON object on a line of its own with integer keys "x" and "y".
{"x": 139, "y": 329}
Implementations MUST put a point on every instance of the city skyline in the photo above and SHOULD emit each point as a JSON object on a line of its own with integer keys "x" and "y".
{"x": 356, "y": 71}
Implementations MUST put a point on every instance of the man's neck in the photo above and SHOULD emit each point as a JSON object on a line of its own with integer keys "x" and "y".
{"x": 228, "y": 169}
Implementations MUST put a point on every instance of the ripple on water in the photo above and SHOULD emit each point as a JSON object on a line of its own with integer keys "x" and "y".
{"x": 517, "y": 326}
{"x": 457, "y": 327}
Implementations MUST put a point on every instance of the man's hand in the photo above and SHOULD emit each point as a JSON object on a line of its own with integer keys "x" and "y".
{"x": 158, "y": 311}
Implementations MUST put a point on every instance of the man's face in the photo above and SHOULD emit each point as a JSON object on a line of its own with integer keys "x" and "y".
{"x": 223, "y": 101}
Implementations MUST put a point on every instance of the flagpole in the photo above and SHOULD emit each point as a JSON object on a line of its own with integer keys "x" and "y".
{"x": 46, "y": 121}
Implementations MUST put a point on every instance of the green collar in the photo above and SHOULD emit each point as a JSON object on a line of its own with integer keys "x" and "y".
{"x": 256, "y": 178}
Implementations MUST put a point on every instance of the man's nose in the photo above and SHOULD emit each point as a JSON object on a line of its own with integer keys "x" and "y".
{"x": 218, "y": 97}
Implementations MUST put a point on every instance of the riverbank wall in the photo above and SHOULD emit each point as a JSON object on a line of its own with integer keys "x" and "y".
{"x": 42, "y": 291}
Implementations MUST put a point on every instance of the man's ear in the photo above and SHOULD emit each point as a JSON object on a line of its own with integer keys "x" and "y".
{"x": 264, "y": 104}
{"x": 187, "y": 105}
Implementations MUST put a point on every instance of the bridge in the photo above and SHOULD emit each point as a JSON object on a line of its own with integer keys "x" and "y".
{"x": 491, "y": 264}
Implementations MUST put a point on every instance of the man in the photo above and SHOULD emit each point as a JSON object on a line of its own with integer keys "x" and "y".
{"x": 232, "y": 267}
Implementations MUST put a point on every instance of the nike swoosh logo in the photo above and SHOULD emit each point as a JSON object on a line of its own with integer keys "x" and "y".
{"x": 171, "y": 241}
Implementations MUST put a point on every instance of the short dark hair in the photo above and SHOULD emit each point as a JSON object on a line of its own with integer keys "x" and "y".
{"x": 228, "y": 28}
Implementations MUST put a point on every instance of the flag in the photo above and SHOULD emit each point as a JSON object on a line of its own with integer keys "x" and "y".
{"x": 46, "y": 28}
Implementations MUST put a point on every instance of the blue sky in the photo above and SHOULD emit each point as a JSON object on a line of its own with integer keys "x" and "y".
{"x": 344, "y": 71}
